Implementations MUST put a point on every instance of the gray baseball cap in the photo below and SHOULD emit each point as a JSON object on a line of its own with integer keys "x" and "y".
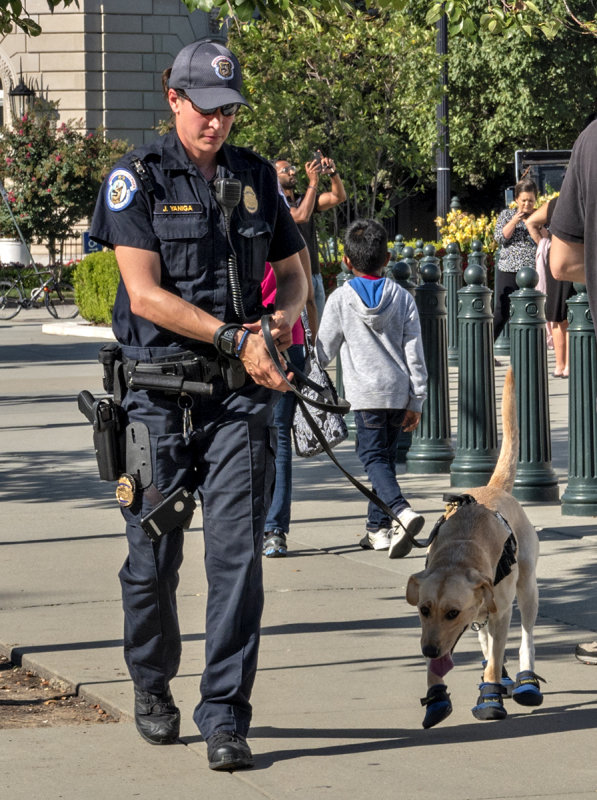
{"x": 209, "y": 74}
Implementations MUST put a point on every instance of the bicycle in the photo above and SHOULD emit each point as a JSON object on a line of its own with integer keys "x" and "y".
{"x": 57, "y": 295}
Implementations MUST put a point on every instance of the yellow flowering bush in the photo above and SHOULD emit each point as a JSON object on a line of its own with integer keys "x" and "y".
{"x": 463, "y": 228}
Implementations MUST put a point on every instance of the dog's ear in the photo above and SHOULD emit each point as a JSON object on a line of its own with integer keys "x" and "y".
{"x": 412, "y": 589}
{"x": 487, "y": 589}
{"x": 481, "y": 583}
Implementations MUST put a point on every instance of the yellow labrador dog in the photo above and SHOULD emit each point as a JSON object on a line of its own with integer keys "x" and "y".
{"x": 483, "y": 553}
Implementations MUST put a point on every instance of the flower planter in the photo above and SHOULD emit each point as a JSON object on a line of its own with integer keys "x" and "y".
{"x": 13, "y": 250}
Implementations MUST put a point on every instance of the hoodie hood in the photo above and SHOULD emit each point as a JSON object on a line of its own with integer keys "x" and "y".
{"x": 373, "y": 301}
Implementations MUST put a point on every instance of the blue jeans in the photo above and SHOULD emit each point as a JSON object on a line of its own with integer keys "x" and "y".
{"x": 377, "y": 440}
{"x": 279, "y": 512}
{"x": 319, "y": 293}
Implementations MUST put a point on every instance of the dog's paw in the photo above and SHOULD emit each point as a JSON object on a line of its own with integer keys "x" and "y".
{"x": 438, "y": 705}
{"x": 526, "y": 690}
{"x": 489, "y": 703}
{"x": 506, "y": 680}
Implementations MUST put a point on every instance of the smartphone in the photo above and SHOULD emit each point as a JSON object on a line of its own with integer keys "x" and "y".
{"x": 317, "y": 156}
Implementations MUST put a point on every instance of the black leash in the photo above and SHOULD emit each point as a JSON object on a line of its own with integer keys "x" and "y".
{"x": 342, "y": 408}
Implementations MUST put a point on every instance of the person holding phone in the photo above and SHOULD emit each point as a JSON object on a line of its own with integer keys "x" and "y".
{"x": 518, "y": 248}
{"x": 304, "y": 206}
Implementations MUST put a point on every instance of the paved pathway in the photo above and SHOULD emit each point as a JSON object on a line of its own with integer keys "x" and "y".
{"x": 337, "y": 712}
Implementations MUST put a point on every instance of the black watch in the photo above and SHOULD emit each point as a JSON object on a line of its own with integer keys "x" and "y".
{"x": 224, "y": 339}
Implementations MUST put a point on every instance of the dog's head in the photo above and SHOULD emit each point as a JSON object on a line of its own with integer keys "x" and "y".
{"x": 448, "y": 603}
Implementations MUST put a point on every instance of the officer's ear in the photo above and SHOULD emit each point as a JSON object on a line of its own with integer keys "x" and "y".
{"x": 174, "y": 100}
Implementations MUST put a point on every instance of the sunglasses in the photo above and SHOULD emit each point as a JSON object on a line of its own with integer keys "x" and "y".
{"x": 228, "y": 110}
{"x": 286, "y": 170}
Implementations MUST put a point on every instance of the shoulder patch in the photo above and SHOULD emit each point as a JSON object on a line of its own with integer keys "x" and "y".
{"x": 120, "y": 189}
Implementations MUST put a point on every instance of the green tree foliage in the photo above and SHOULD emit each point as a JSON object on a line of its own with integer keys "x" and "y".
{"x": 361, "y": 89}
{"x": 497, "y": 16}
{"x": 14, "y": 13}
{"x": 52, "y": 176}
{"x": 516, "y": 94}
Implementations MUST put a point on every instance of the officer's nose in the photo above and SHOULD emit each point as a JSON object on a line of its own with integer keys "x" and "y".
{"x": 217, "y": 119}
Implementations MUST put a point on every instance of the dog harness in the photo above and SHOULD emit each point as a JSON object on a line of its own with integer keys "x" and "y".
{"x": 508, "y": 556}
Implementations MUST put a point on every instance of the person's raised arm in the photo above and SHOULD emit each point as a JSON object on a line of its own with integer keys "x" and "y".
{"x": 305, "y": 210}
{"x": 536, "y": 223}
{"x": 337, "y": 192}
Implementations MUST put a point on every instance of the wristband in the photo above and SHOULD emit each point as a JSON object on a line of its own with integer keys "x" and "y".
{"x": 239, "y": 349}
{"x": 332, "y": 173}
{"x": 224, "y": 339}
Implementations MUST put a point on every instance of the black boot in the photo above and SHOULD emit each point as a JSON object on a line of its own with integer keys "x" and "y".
{"x": 156, "y": 717}
{"x": 228, "y": 750}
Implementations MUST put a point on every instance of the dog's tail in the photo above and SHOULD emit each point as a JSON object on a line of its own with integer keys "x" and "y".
{"x": 505, "y": 469}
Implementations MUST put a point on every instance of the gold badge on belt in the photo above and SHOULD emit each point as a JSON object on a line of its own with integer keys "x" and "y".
{"x": 125, "y": 490}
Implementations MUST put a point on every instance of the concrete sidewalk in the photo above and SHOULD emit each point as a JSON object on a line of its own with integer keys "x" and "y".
{"x": 336, "y": 702}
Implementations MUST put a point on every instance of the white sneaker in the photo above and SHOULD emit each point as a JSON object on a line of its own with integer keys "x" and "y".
{"x": 400, "y": 542}
{"x": 376, "y": 540}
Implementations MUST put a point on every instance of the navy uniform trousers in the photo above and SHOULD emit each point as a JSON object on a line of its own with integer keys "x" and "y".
{"x": 229, "y": 459}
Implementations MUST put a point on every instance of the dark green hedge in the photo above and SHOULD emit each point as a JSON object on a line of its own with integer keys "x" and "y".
{"x": 96, "y": 279}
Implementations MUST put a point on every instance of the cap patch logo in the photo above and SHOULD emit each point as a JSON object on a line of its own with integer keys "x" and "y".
{"x": 250, "y": 199}
{"x": 223, "y": 67}
{"x": 120, "y": 190}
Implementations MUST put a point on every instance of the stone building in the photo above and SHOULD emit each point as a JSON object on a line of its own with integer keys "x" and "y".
{"x": 102, "y": 61}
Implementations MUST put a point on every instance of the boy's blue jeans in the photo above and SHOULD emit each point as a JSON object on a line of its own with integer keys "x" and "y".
{"x": 377, "y": 441}
{"x": 279, "y": 513}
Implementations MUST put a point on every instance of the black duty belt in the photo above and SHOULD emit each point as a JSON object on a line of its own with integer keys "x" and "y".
{"x": 181, "y": 372}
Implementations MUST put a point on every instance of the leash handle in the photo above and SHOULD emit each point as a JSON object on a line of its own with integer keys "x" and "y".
{"x": 302, "y": 402}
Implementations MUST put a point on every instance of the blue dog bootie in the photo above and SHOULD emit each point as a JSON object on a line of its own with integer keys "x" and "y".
{"x": 438, "y": 705}
{"x": 526, "y": 689}
{"x": 489, "y": 703}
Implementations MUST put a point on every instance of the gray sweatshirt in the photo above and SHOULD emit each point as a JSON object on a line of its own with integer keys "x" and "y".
{"x": 383, "y": 365}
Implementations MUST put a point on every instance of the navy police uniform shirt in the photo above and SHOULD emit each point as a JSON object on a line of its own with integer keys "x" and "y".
{"x": 178, "y": 217}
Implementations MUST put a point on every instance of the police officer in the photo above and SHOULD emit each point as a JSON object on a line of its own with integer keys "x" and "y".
{"x": 170, "y": 211}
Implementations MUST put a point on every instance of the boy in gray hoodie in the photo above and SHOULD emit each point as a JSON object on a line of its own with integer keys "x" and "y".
{"x": 374, "y": 324}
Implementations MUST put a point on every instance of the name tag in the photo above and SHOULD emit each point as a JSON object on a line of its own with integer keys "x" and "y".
{"x": 179, "y": 208}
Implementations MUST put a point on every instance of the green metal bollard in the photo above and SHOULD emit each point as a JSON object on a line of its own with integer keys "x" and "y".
{"x": 477, "y": 257}
{"x": 452, "y": 264}
{"x": 400, "y": 272}
{"x": 535, "y": 477}
{"x": 477, "y": 444}
{"x": 502, "y": 343}
{"x": 580, "y": 497}
{"x": 408, "y": 255}
{"x": 431, "y": 450}
{"x": 398, "y": 247}
{"x": 419, "y": 248}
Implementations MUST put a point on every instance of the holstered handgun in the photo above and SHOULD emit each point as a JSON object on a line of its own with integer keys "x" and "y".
{"x": 108, "y": 440}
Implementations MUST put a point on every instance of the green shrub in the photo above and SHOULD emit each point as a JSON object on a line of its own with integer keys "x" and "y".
{"x": 96, "y": 279}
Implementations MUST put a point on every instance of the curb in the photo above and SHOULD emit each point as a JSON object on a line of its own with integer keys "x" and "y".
{"x": 78, "y": 328}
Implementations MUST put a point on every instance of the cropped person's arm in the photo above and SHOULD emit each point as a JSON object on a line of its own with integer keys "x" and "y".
{"x": 567, "y": 260}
